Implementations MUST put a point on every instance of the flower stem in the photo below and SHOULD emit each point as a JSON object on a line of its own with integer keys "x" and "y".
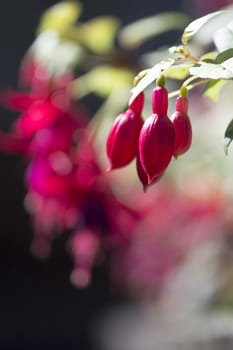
{"x": 189, "y": 80}
{"x": 189, "y": 87}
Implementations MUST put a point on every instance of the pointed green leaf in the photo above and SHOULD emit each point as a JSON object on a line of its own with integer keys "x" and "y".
{"x": 137, "y": 33}
{"x": 196, "y": 25}
{"x": 225, "y": 55}
{"x": 60, "y": 16}
{"x": 178, "y": 72}
{"x": 99, "y": 33}
{"x": 228, "y": 136}
{"x": 151, "y": 76}
{"x": 226, "y": 144}
{"x": 209, "y": 56}
{"x": 212, "y": 70}
{"x": 213, "y": 88}
{"x": 102, "y": 80}
{"x": 228, "y": 65}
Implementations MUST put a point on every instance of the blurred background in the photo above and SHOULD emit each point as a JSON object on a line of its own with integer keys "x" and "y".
{"x": 39, "y": 308}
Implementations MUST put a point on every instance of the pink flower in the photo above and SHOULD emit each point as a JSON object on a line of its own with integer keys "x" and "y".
{"x": 138, "y": 103}
{"x": 157, "y": 138}
{"x": 66, "y": 187}
{"x": 122, "y": 141}
{"x": 182, "y": 126}
{"x": 142, "y": 175}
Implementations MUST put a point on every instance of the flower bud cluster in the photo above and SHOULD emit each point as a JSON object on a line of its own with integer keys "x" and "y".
{"x": 153, "y": 142}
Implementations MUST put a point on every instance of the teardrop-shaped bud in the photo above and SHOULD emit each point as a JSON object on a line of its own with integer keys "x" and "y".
{"x": 182, "y": 126}
{"x": 143, "y": 175}
{"x": 122, "y": 141}
{"x": 183, "y": 130}
{"x": 159, "y": 100}
{"x": 182, "y": 104}
{"x": 137, "y": 105}
{"x": 156, "y": 145}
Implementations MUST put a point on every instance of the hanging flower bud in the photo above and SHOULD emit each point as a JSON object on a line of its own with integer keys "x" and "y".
{"x": 137, "y": 105}
{"x": 182, "y": 126}
{"x": 143, "y": 175}
{"x": 122, "y": 141}
{"x": 157, "y": 137}
{"x": 160, "y": 100}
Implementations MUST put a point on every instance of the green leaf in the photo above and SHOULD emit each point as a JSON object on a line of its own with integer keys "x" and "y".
{"x": 212, "y": 70}
{"x": 178, "y": 72}
{"x": 228, "y": 136}
{"x": 196, "y": 25}
{"x": 225, "y": 55}
{"x": 209, "y": 56}
{"x": 151, "y": 76}
{"x": 137, "y": 33}
{"x": 60, "y": 16}
{"x": 99, "y": 33}
{"x": 213, "y": 88}
{"x": 228, "y": 65}
{"x": 102, "y": 80}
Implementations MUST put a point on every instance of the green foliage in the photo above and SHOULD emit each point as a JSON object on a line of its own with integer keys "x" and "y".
{"x": 104, "y": 76}
{"x": 150, "y": 76}
{"x": 60, "y": 16}
{"x": 211, "y": 70}
{"x": 228, "y": 136}
{"x": 224, "y": 55}
{"x": 196, "y": 25}
{"x": 213, "y": 89}
{"x": 209, "y": 56}
{"x": 220, "y": 68}
{"x": 103, "y": 80}
{"x": 178, "y": 71}
{"x": 97, "y": 34}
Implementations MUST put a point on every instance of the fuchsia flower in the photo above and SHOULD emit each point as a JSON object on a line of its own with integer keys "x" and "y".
{"x": 182, "y": 126}
{"x": 154, "y": 141}
{"x": 122, "y": 141}
{"x": 137, "y": 104}
{"x": 66, "y": 187}
{"x": 143, "y": 177}
{"x": 157, "y": 138}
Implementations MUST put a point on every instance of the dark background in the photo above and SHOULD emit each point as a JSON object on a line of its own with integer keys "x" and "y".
{"x": 39, "y": 308}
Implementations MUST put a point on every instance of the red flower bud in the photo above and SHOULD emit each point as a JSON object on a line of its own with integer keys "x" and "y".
{"x": 159, "y": 100}
{"x": 157, "y": 138}
{"x": 137, "y": 105}
{"x": 182, "y": 126}
{"x": 156, "y": 145}
{"x": 122, "y": 141}
{"x": 182, "y": 104}
{"x": 143, "y": 175}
